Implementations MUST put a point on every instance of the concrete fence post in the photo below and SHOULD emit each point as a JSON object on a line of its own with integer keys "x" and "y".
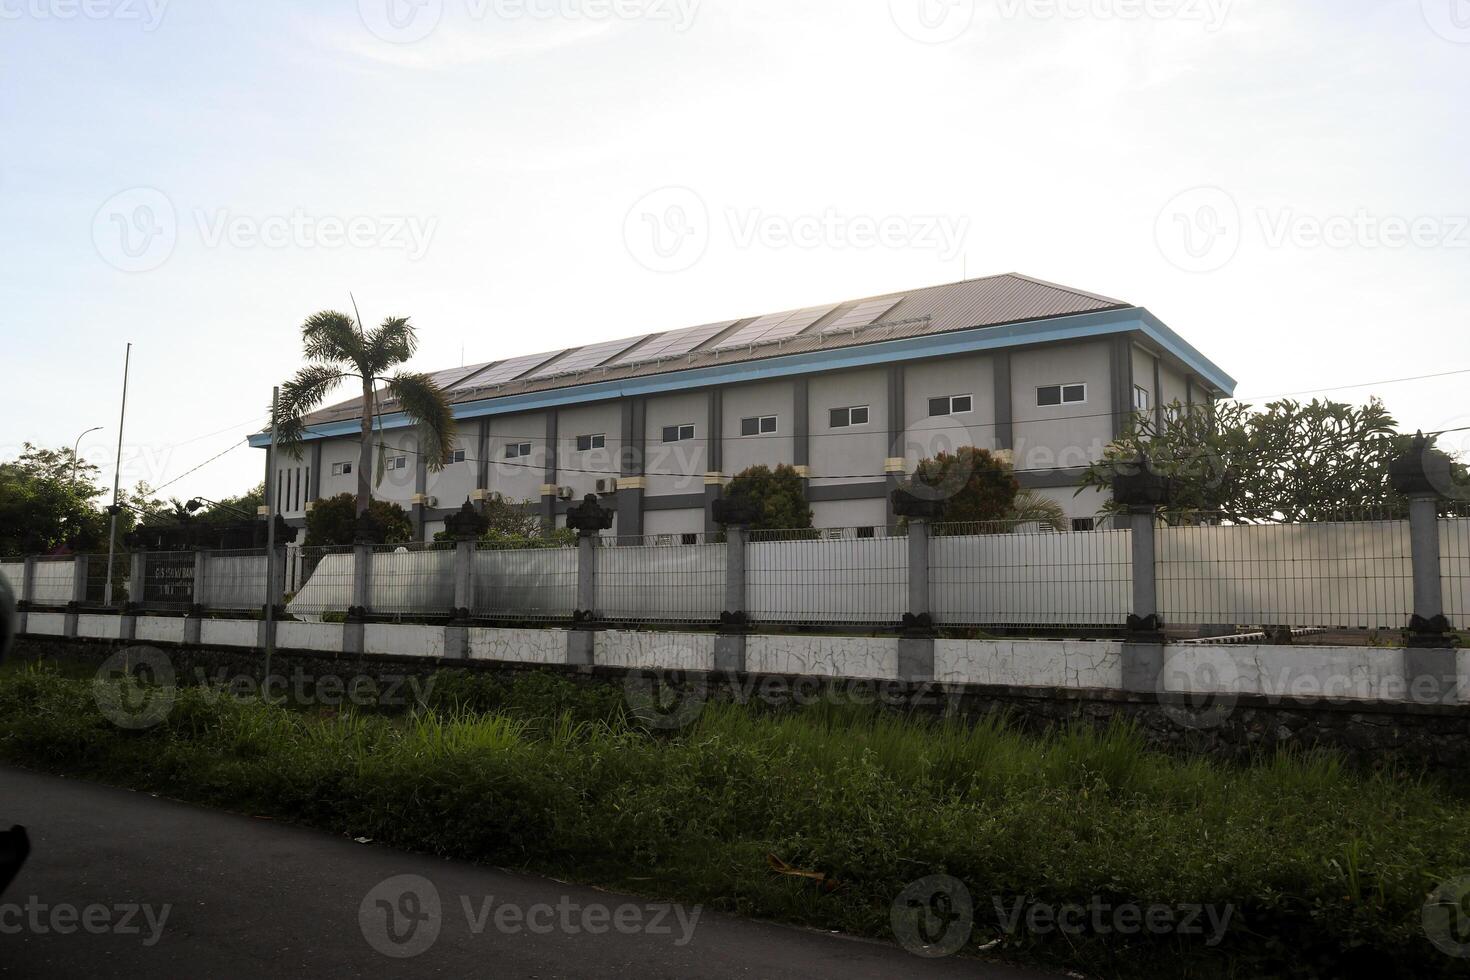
{"x": 193, "y": 619}
{"x": 916, "y": 645}
{"x": 137, "y": 569}
{"x": 589, "y": 519}
{"x": 1423, "y": 475}
{"x": 457, "y": 633}
{"x": 734, "y": 620}
{"x": 78, "y": 594}
{"x": 275, "y": 596}
{"x": 1142, "y": 490}
{"x": 27, "y": 594}
{"x": 362, "y": 577}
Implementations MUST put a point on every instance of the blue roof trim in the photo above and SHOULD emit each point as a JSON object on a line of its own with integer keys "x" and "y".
{"x": 977, "y": 340}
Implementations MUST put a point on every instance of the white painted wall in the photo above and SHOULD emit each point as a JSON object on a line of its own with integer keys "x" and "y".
{"x": 925, "y": 436}
{"x": 1030, "y": 663}
{"x": 99, "y": 627}
{"x": 548, "y": 646}
{"x": 309, "y": 636}
{"x": 853, "y": 450}
{"x": 1061, "y": 435}
{"x": 750, "y": 401}
{"x": 229, "y": 633}
{"x": 827, "y": 656}
{"x": 670, "y": 651}
{"x": 677, "y": 467}
{"x": 850, "y": 513}
{"x": 684, "y": 521}
{"x": 403, "y": 640}
{"x": 162, "y": 629}
{"x": 518, "y": 480}
{"x": 46, "y": 624}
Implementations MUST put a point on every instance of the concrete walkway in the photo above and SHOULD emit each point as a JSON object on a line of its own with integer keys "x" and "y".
{"x": 123, "y": 884}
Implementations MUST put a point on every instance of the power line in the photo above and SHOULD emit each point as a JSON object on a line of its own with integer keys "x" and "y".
{"x": 201, "y": 466}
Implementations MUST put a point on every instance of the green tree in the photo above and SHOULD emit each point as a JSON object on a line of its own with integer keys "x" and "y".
{"x": 47, "y": 502}
{"x": 974, "y": 485}
{"x": 777, "y": 495}
{"x": 512, "y": 524}
{"x": 337, "y": 350}
{"x": 234, "y": 510}
{"x": 334, "y": 521}
{"x": 1286, "y": 463}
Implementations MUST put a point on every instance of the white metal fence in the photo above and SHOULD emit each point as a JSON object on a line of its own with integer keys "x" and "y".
{"x": 1004, "y": 574}
{"x": 657, "y": 580}
{"x": 525, "y": 583}
{"x": 829, "y": 576}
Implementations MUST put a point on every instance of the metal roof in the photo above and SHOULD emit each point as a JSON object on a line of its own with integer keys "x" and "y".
{"x": 987, "y": 302}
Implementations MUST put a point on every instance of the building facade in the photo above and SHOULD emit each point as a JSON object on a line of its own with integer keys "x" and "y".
{"x": 853, "y": 394}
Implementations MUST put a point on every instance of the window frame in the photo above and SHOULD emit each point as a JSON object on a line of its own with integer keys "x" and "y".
{"x": 760, "y": 425}
{"x": 832, "y": 415}
{"x": 517, "y": 450}
{"x": 596, "y": 440}
{"x": 678, "y": 430}
{"x": 949, "y": 401}
{"x": 395, "y": 463}
{"x": 1147, "y": 399}
{"x": 455, "y": 457}
{"x": 342, "y": 469}
{"x": 1061, "y": 389}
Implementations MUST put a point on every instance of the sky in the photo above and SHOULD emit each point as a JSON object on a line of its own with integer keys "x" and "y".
{"x": 1284, "y": 184}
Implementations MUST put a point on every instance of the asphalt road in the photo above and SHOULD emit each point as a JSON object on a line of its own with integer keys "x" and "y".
{"x": 123, "y": 884}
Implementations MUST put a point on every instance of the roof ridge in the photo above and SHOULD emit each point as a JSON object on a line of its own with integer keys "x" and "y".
{"x": 1070, "y": 289}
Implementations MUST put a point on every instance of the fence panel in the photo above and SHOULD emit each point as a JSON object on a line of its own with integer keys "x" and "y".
{"x": 412, "y": 578}
{"x": 827, "y": 576}
{"x": 525, "y": 583}
{"x": 653, "y": 579}
{"x": 168, "y": 580}
{"x": 1009, "y": 574}
{"x": 1344, "y": 574}
{"x": 326, "y": 583}
{"x": 235, "y": 580}
{"x": 1454, "y": 561}
{"x": 54, "y": 586}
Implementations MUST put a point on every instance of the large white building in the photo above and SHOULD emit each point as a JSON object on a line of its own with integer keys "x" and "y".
{"x": 851, "y": 393}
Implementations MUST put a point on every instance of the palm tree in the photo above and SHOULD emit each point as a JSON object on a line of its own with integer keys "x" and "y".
{"x": 337, "y": 350}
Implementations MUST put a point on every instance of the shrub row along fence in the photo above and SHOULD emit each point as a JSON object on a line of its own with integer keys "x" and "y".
{"x": 1360, "y": 574}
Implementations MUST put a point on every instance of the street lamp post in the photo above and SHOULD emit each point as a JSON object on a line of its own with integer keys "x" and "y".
{"x": 78, "y": 448}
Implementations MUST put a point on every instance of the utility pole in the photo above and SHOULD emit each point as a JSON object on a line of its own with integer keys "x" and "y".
{"x": 117, "y": 481}
{"x": 270, "y": 540}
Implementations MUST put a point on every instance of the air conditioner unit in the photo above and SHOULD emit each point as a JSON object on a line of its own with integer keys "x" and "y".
{"x": 431, "y": 501}
{"x": 565, "y": 493}
{"x": 607, "y": 486}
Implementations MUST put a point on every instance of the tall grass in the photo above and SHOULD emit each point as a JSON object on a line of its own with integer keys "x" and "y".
{"x": 1327, "y": 869}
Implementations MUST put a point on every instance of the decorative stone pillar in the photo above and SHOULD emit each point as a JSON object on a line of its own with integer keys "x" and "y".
{"x": 466, "y": 526}
{"x": 78, "y": 595}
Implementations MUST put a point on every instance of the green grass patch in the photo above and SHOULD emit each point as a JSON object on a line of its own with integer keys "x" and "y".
{"x": 1326, "y": 870}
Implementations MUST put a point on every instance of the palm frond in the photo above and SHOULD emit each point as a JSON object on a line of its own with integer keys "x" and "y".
{"x": 332, "y": 338}
{"x": 425, "y": 403}
{"x": 1031, "y": 506}
{"x": 391, "y": 343}
{"x": 299, "y": 397}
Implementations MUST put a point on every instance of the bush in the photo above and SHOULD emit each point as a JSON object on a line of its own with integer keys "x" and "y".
{"x": 778, "y": 495}
{"x": 334, "y": 521}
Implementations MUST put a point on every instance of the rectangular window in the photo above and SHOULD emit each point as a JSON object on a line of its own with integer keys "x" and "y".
{"x": 865, "y": 532}
{"x": 588, "y": 443}
{"x": 1084, "y": 523}
{"x": 951, "y": 405}
{"x": 455, "y": 456}
{"x": 517, "y": 450}
{"x": 763, "y": 425}
{"x": 691, "y": 539}
{"x": 1140, "y": 398}
{"x": 844, "y": 417}
{"x": 341, "y": 469}
{"x": 678, "y": 433}
{"x": 396, "y": 463}
{"x": 1069, "y": 394}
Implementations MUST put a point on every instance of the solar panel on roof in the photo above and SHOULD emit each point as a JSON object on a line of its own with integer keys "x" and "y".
{"x": 865, "y": 314}
{"x": 586, "y": 357}
{"x": 675, "y": 343}
{"x": 513, "y": 368}
{"x": 776, "y": 326}
{"x": 453, "y": 376}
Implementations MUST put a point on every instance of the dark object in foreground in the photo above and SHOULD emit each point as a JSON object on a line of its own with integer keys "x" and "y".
{"x": 14, "y": 848}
